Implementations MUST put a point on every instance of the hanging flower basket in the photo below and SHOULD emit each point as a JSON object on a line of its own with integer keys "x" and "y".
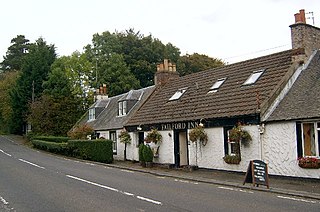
{"x": 232, "y": 159}
{"x": 237, "y": 134}
{"x": 153, "y": 136}
{"x": 309, "y": 162}
{"x": 198, "y": 134}
{"x": 124, "y": 137}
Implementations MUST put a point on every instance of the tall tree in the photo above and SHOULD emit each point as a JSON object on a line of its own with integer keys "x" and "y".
{"x": 188, "y": 64}
{"x": 35, "y": 70}
{"x": 81, "y": 74}
{"x": 56, "y": 111}
{"x": 140, "y": 53}
{"x": 15, "y": 54}
{"x": 118, "y": 76}
{"x": 7, "y": 81}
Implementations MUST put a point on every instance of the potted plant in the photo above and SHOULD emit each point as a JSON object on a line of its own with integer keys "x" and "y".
{"x": 141, "y": 156}
{"x": 125, "y": 138}
{"x": 198, "y": 134}
{"x": 309, "y": 162}
{"x": 148, "y": 156}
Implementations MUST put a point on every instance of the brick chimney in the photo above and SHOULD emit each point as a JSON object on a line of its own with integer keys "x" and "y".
{"x": 101, "y": 92}
{"x": 165, "y": 72}
{"x": 304, "y": 35}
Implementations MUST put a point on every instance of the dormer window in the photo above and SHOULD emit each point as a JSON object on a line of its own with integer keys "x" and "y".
{"x": 92, "y": 114}
{"x": 217, "y": 85}
{"x": 122, "y": 108}
{"x": 178, "y": 94}
{"x": 253, "y": 77}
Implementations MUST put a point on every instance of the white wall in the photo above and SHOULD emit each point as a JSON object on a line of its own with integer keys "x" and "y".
{"x": 166, "y": 149}
{"x": 211, "y": 155}
{"x": 280, "y": 151}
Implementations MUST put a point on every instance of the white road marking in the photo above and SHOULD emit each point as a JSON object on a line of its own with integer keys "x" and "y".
{"x": 186, "y": 181}
{"x": 5, "y": 153}
{"x": 296, "y": 199}
{"x": 3, "y": 200}
{"x": 31, "y": 164}
{"x": 91, "y": 164}
{"x": 129, "y": 171}
{"x": 235, "y": 189}
{"x": 114, "y": 189}
{"x": 149, "y": 200}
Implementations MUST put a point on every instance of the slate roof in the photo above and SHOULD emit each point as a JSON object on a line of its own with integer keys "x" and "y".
{"x": 231, "y": 100}
{"x": 108, "y": 119}
{"x": 303, "y": 100}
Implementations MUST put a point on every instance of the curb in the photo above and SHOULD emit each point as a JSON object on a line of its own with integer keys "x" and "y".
{"x": 300, "y": 194}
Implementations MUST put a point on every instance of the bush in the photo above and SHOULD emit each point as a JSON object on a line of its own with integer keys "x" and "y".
{"x": 95, "y": 150}
{"x": 147, "y": 154}
{"x": 81, "y": 132}
{"x": 141, "y": 158}
{"x": 52, "y": 139}
{"x": 61, "y": 148}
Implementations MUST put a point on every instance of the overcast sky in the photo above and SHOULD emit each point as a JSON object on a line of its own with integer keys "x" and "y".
{"x": 232, "y": 30}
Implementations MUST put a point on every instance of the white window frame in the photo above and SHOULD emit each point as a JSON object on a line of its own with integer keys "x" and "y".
{"x": 92, "y": 114}
{"x": 253, "y": 77}
{"x": 122, "y": 106}
{"x": 316, "y": 132}
{"x": 230, "y": 146}
{"x": 113, "y": 137}
{"x": 177, "y": 95}
{"x": 217, "y": 85}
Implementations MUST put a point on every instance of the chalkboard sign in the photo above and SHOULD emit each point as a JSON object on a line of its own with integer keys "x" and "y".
{"x": 257, "y": 173}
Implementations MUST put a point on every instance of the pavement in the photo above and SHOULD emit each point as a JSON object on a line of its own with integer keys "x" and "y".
{"x": 299, "y": 187}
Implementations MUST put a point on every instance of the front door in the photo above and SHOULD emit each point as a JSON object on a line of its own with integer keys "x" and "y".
{"x": 180, "y": 148}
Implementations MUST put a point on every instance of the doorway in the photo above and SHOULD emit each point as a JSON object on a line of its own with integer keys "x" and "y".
{"x": 180, "y": 148}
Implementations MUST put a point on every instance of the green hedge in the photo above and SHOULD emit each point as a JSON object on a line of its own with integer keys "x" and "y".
{"x": 51, "y": 139}
{"x": 61, "y": 148}
{"x": 95, "y": 150}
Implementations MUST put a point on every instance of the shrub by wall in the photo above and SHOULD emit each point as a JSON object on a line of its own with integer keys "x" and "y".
{"x": 52, "y": 139}
{"x": 95, "y": 150}
{"x": 60, "y": 148}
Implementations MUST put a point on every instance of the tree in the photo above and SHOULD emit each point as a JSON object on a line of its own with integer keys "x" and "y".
{"x": 56, "y": 111}
{"x": 80, "y": 73}
{"x": 118, "y": 76}
{"x": 35, "y": 70}
{"x": 188, "y": 64}
{"x": 7, "y": 81}
{"x": 140, "y": 54}
{"x": 15, "y": 54}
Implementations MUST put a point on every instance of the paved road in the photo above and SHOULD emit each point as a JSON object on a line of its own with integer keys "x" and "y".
{"x": 37, "y": 181}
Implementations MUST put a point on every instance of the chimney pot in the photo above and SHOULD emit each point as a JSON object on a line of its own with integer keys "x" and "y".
{"x": 166, "y": 65}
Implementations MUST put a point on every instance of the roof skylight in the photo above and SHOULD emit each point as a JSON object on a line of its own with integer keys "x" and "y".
{"x": 178, "y": 94}
{"x": 217, "y": 85}
{"x": 253, "y": 77}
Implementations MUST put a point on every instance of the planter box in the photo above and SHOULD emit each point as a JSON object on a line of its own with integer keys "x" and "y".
{"x": 309, "y": 163}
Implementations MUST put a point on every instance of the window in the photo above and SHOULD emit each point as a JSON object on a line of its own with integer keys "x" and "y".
{"x": 113, "y": 137}
{"x": 178, "y": 94}
{"x": 230, "y": 147}
{"x": 309, "y": 139}
{"x": 92, "y": 114}
{"x": 253, "y": 77}
{"x": 217, "y": 85}
{"x": 122, "y": 108}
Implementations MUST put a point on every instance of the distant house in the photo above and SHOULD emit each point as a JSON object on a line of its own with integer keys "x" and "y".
{"x": 108, "y": 115}
{"x": 275, "y": 98}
